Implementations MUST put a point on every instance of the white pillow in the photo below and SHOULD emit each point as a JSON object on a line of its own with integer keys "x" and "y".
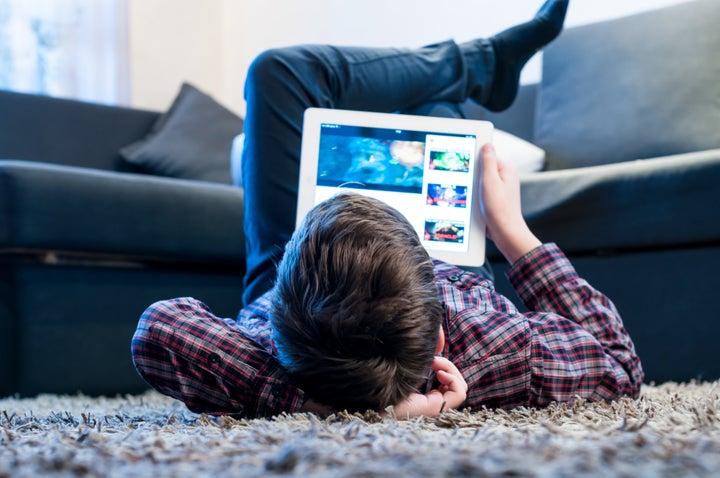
{"x": 236, "y": 159}
{"x": 526, "y": 157}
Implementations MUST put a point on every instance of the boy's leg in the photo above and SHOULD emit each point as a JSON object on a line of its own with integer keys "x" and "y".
{"x": 282, "y": 83}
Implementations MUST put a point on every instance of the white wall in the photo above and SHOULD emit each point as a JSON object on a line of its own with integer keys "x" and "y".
{"x": 172, "y": 41}
{"x": 210, "y": 43}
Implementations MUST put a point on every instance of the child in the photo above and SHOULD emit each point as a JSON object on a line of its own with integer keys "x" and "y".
{"x": 357, "y": 315}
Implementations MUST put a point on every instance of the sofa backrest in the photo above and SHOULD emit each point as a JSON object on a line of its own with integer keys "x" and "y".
{"x": 636, "y": 87}
{"x": 519, "y": 119}
{"x": 69, "y": 132}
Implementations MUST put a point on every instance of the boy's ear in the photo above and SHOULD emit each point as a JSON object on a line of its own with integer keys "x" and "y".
{"x": 441, "y": 341}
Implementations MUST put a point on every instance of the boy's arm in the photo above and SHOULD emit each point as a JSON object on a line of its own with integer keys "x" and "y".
{"x": 181, "y": 349}
{"x": 596, "y": 361}
{"x": 581, "y": 347}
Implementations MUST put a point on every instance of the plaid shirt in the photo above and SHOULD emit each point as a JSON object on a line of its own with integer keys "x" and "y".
{"x": 571, "y": 344}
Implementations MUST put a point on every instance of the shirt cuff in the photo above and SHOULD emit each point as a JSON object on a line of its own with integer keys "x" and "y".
{"x": 275, "y": 394}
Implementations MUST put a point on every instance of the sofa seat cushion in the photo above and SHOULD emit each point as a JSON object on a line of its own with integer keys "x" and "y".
{"x": 639, "y": 205}
{"x": 636, "y": 87}
{"x": 65, "y": 208}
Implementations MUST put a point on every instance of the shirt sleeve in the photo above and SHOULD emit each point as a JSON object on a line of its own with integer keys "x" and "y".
{"x": 181, "y": 349}
{"x": 596, "y": 360}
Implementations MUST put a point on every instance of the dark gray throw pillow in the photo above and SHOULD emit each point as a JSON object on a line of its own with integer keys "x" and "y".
{"x": 637, "y": 87}
{"x": 191, "y": 141}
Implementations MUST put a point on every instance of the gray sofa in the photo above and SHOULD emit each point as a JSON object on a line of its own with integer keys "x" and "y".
{"x": 104, "y": 210}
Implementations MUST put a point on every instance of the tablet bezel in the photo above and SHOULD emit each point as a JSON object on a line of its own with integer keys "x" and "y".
{"x": 313, "y": 120}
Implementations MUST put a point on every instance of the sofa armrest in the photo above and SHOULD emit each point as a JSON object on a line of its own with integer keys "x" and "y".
{"x": 644, "y": 204}
{"x": 45, "y": 207}
{"x": 63, "y": 131}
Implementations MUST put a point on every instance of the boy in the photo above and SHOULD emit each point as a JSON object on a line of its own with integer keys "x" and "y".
{"x": 356, "y": 315}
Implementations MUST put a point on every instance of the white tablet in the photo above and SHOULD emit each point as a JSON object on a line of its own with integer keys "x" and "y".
{"x": 426, "y": 167}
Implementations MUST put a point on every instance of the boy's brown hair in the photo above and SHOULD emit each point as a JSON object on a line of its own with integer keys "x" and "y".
{"x": 355, "y": 310}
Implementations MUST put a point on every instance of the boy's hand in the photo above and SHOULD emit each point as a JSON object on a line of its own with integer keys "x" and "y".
{"x": 311, "y": 406}
{"x": 502, "y": 209}
{"x": 450, "y": 394}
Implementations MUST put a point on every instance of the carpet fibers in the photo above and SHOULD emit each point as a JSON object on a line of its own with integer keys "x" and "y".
{"x": 671, "y": 430}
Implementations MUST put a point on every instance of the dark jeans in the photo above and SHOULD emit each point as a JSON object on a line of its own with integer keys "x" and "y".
{"x": 282, "y": 83}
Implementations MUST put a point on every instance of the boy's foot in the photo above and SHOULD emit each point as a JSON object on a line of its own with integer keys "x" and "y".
{"x": 515, "y": 46}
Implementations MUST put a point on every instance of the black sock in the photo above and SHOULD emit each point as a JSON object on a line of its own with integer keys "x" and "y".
{"x": 515, "y": 46}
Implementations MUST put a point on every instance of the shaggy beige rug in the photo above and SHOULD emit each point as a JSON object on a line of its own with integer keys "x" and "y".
{"x": 672, "y": 430}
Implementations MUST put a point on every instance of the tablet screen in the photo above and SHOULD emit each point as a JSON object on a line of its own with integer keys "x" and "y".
{"x": 428, "y": 174}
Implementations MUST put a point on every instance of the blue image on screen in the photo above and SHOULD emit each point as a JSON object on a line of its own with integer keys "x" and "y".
{"x": 379, "y": 159}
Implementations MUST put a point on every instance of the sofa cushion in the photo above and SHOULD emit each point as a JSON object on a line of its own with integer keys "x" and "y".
{"x": 636, "y": 87}
{"x": 47, "y": 207}
{"x": 526, "y": 157}
{"x": 191, "y": 141}
{"x": 636, "y": 205}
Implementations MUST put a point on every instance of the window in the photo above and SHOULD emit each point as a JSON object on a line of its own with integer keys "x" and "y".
{"x": 70, "y": 48}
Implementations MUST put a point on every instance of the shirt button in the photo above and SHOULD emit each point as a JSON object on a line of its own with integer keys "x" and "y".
{"x": 453, "y": 278}
{"x": 214, "y": 358}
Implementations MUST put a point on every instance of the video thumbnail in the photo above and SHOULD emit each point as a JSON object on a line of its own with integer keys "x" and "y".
{"x": 456, "y": 161}
{"x": 447, "y": 195}
{"x": 444, "y": 231}
{"x": 371, "y": 163}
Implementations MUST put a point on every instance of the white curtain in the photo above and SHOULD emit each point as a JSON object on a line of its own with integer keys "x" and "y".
{"x": 67, "y": 48}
